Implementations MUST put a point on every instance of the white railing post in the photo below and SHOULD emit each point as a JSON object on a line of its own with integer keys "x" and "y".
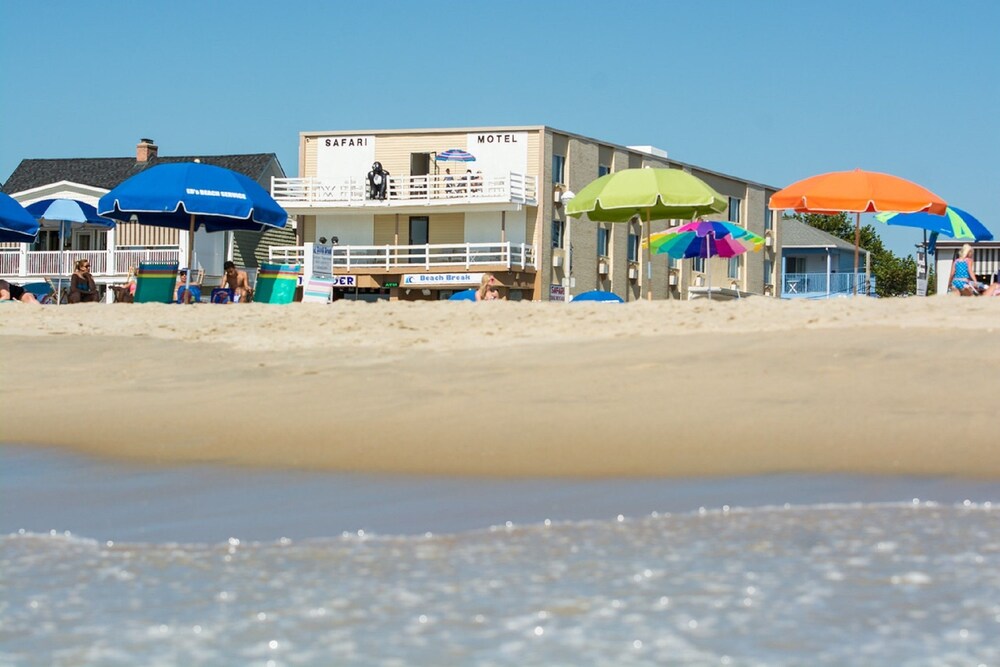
{"x": 307, "y": 260}
{"x": 22, "y": 259}
{"x": 388, "y": 256}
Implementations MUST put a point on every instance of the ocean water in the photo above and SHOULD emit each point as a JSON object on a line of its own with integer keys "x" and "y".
{"x": 874, "y": 582}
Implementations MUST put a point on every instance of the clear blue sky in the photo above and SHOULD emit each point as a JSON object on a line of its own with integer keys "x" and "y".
{"x": 769, "y": 90}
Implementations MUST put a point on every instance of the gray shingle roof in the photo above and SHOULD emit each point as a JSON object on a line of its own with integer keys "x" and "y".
{"x": 795, "y": 234}
{"x": 108, "y": 172}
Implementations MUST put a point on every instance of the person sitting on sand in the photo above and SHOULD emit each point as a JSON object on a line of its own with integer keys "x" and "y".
{"x": 488, "y": 289}
{"x": 82, "y": 287}
{"x": 12, "y": 292}
{"x": 963, "y": 275}
{"x": 235, "y": 280}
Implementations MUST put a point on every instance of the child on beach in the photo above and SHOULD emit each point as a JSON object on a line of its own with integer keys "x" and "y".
{"x": 963, "y": 275}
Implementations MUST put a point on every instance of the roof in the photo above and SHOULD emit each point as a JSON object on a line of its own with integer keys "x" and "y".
{"x": 108, "y": 172}
{"x": 796, "y": 234}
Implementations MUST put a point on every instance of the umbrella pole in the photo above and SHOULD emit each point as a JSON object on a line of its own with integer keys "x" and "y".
{"x": 190, "y": 257}
{"x": 62, "y": 245}
{"x": 857, "y": 244}
{"x": 708, "y": 263}
{"x": 649, "y": 267}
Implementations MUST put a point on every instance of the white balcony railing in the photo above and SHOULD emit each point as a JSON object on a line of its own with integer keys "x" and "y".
{"x": 358, "y": 258}
{"x": 43, "y": 263}
{"x": 431, "y": 188}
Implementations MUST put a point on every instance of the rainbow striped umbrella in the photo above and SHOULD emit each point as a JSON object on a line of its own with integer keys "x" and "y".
{"x": 705, "y": 238}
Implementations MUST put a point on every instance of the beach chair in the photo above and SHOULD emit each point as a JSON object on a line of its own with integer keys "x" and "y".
{"x": 43, "y": 291}
{"x": 276, "y": 283}
{"x": 154, "y": 282}
{"x": 318, "y": 290}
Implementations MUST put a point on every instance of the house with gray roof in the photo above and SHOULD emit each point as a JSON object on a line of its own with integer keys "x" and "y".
{"x": 818, "y": 265}
{"x": 113, "y": 251}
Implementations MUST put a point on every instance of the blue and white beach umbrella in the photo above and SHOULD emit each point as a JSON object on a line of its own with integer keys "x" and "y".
{"x": 455, "y": 155}
{"x": 67, "y": 214}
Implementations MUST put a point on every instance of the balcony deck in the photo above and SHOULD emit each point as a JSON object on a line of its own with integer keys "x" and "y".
{"x": 499, "y": 256}
{"x": 823, "y": 285}
{"x": 407, "y": 193}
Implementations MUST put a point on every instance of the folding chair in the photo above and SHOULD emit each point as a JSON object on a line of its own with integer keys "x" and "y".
{"x": 154, "y": 282}
{"x": 276, "y": 283}
{"x": 318, "y": 290}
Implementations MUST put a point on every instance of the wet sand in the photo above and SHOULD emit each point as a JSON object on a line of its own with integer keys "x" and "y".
{"x": 668, "y": 389}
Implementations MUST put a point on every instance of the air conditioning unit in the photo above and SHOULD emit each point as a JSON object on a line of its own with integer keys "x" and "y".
{"x": 557, "y": 196}
{"x": 699, "y": 281}
{"x": 602, "y": 268}
{"x": 768, "y": 241}
{"x": 672, "y": 279}
{"x": 557, "y": 260}
{"x": 633, "y": 273}
{"x": 674, "y": 223}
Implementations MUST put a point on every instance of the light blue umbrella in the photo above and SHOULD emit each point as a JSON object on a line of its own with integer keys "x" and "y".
{"x": 455, "y": 155}
{"x": 16, "y": 224}
{"x": 67, "y": 213}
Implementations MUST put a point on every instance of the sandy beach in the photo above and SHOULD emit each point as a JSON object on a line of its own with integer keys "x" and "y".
{"x": 661, "y": 389}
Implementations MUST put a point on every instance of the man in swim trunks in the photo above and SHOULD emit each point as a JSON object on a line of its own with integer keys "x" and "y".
{"x": 235, "y": 280}
{"x": 12, "y": 292}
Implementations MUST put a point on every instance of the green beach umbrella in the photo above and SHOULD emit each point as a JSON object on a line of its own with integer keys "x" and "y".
{"x": 651, "y": 194}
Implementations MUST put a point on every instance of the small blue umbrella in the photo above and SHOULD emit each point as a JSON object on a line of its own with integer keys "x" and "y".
{"x": 193, "y": 195}
{"x": 598, "y": 296}
{"x": 67, "y": 213}
{"x": 464, "y": 295}
{"x": 455, "y": 155}
{"x": 16, "y": 224}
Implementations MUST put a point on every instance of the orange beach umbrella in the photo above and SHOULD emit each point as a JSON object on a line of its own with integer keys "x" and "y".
{"x": 856, "y": 192}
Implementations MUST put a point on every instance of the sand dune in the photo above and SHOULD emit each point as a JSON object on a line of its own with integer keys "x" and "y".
{"x": 905, "y": 386}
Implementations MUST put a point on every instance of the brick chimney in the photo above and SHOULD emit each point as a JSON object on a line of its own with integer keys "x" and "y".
{"x": 145, "y": 150}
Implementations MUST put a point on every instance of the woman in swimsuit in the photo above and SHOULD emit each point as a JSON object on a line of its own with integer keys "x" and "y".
{"x": 963, "y": 275}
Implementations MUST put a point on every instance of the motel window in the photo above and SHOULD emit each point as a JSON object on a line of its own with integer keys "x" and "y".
{"x": 603, "y": 242}
{"x": 633, "y": 247}
{"x": 734, "y": 210}
{"x": 558, "y": 233}
{"x": 698, "y": 264}
{"x": 603, "y": 170}
{"x": 734, "y": 268}
{"x": 767, "y": 218}
{"x": 768, "y": 272}
{"x": 672, "y": 262}
{"x": 558, "y": 168}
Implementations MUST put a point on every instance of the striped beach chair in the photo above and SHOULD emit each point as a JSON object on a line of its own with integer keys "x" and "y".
{"x": 276, "y": 283}
{"x": 154, "y": 282}
{"x": 318, "y": 290}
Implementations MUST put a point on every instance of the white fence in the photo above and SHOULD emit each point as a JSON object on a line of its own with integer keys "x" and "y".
{"x": 407, "y": 257}
{"x": 41, "y": 263}
{"x": 441, "y": 188}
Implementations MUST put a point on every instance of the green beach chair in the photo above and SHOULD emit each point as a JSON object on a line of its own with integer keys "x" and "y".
{"x": 276, "y": 283}
{"x": 154, "y": 282}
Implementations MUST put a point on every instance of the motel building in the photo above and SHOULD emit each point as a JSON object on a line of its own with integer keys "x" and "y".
{"x": 388, "y": 216}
